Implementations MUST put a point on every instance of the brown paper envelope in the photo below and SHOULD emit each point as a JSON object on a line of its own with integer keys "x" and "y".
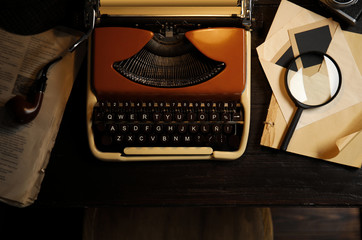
{"x": 337, "y": 138}
{"x": 350, "y": 89}
{"x": 341, "y": 140}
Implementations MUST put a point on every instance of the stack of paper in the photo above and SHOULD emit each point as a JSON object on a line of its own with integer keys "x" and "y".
{"x": 332, "y": 132}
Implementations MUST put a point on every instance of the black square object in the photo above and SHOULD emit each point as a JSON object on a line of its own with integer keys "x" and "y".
{"x": 317, "y": 39}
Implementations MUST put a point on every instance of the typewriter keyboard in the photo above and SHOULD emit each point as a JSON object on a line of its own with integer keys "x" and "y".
{"x": 117, "y": 125}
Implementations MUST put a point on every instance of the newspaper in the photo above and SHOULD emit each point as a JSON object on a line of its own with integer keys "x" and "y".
{"x": 25, "y": 149}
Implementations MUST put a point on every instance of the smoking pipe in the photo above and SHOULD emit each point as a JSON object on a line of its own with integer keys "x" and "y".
{"x": 24, "y": 110}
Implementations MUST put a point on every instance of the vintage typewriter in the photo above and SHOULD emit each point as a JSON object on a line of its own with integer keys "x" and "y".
{"x": 169, "y": 80}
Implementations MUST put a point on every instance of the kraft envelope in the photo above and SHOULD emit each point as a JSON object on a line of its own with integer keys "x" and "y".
{"x": 351, "y": 88}
{"x": 339, "y": 125}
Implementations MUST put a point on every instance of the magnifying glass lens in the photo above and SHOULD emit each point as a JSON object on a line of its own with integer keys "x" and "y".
{"x": 312, "y": 80}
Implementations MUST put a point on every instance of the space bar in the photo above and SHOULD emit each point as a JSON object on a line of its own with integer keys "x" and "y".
{"x": 168, "y": 150}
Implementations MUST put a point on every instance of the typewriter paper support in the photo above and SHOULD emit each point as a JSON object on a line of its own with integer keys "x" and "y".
{"x": 219, "y": 90}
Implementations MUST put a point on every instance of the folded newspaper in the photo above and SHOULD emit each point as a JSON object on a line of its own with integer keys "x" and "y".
{"x": 25, "y": 149}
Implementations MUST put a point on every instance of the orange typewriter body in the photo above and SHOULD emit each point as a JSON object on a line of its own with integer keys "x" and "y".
{"x": 112, "y": 44}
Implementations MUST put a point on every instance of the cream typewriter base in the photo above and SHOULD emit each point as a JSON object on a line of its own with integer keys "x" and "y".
{"x": 173, "y": 153}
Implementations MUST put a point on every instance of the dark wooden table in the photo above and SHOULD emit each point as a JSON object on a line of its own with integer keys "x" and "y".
{"x": 262, "y": 176}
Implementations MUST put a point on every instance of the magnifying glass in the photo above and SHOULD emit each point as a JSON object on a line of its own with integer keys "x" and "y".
{"x": 312, "y": 79}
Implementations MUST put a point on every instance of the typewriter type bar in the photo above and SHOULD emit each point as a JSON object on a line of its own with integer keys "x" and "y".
{"x": 165, "y": 87}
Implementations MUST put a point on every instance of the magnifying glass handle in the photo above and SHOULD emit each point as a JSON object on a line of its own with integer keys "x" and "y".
{"x": 291, "y": 129}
